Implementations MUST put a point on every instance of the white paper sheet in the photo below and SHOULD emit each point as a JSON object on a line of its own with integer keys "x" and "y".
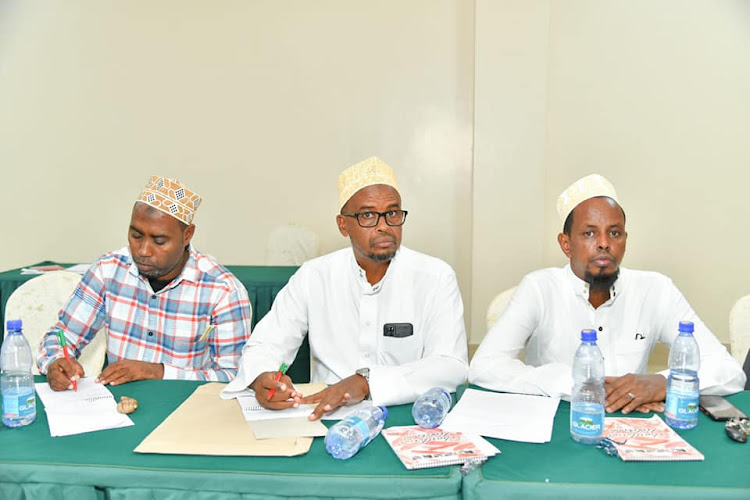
{"x": 253, "y": 411}
{"x": 91, "y": 408}
{"x": 515, "y": 417}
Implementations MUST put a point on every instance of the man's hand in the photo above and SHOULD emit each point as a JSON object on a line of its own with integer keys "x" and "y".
{"x": 351, "y": 389}
{"x": 129, "y": 370}
{"x": 61, "y": 373}
{"x": 635, "y": 392}
{"x": 284, "y": 395}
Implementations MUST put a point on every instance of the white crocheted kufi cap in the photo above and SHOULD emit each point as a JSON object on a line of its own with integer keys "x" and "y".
{"x": 365, "y": 173}
{"x": 585, "y": 188}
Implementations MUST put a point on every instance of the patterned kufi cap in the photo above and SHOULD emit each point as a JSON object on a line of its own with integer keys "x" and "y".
{"x": 171, "y": 197}
{"x": 365, "y": 173}
{"x": 588, "y": 187}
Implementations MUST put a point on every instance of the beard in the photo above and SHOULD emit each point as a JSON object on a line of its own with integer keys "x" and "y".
{"x": 601, "y": 282}
{"x": 384, "y": 257}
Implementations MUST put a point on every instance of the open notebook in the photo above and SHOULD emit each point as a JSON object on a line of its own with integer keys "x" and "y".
{"x": 91, "y": 408}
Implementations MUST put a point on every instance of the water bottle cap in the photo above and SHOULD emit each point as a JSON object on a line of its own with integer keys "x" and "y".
{"x": 385, "y": 411}
{"x": 13, "y": 325}
{"x": 686, "y": 327}
{"x": 588, "y": 335}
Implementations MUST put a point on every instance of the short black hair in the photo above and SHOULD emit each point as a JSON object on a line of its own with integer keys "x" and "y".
{"x": 568, "y": 225}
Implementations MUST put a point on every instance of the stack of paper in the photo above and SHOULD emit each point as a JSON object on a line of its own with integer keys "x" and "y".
{"x": 91, "y": 408}
{"x": 291, "y": 422}
{"x": 515, "y": 417}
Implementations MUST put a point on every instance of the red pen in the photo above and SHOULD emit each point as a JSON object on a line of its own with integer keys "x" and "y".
{"x": 64, "y": 345}
{"x": 282, "y": 371}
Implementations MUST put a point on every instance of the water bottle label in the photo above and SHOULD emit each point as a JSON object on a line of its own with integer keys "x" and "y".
{"x": 19, "y": 406}
{"x": 363, "y": 428}
{"x": 680, "y": 406}
{"x": 588, "y": 424}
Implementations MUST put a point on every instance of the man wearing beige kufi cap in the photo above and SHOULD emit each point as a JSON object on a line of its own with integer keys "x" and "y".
{"x": 383, "y": 321}
{"x": 629, "y": 310}
{"x": 168, "y": 310}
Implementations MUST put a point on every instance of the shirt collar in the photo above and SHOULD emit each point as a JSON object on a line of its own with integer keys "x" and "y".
{"x": 582, "y": 288}
{"x": 189, "y": 273}
{"x": 361, "y": 275}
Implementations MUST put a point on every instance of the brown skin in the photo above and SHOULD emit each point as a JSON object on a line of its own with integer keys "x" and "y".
{"x": 596, "y": 244}
{"x": 158, "y": 244}
{"x": 373, "y": 248}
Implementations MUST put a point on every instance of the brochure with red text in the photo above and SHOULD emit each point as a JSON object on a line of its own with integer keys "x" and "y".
{"x": 647, "y": 439}
{"x": 419, "y": 448}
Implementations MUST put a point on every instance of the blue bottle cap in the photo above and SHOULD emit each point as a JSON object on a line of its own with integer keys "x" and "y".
{"x": 385, "y": 411}
{"x": 588, "y": 335}
{"x": 686, "y": 327}
{"x": 13, "y": 325}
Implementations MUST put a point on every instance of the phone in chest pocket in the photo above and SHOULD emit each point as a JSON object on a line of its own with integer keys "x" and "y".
{"x": 398, "y": 330}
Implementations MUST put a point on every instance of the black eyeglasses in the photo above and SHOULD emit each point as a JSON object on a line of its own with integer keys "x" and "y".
{"x": 372, "y": 219}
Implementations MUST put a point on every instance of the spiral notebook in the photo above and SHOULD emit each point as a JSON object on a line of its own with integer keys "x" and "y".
{"x": 91, "y": 408}
{"x": 419, "y": 448}
{"x": 647, "y": 440}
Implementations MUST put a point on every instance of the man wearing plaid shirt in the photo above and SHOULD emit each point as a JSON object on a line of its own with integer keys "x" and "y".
{"x": 168, "y": 310}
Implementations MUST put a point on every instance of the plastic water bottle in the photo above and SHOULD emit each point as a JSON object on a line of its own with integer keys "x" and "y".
{"x": 681, "y": 407}
{"x": 17, "y": 384}
{"x": 587, "y": 397}
{"x": 346, "y": 437}
{"x": 430, "y": 408}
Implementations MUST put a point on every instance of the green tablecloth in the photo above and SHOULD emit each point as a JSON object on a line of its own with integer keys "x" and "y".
{"x": 262, "y": 284}
{"x": 102, "y": 464}
{"x": 566, "y": 469}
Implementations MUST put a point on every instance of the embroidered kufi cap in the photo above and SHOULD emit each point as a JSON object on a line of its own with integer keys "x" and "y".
{"x": 588, "y": 187}
{"x": 171, "y": 197}
{"x": 365, "y": 173}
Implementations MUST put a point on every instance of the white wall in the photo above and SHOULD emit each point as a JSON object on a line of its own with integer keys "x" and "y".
{"x": 487, "y": 110}
{"x": 653, "y": 95}
{"x": 511, "y": 103}
{"x": 256, "y": 105}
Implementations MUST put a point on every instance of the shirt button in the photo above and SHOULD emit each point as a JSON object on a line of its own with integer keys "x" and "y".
{"x": 367, "y": 355}
{"x": 150, "y": 334}
{"x": 601, "y": 328}
{"x": 153, "y": 297}
{"x": 367, "y": 323}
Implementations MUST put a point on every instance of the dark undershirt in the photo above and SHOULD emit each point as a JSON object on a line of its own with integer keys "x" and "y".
{"x": 157, "y": 285}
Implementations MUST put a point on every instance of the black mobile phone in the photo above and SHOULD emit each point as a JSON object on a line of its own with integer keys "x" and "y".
{"x": 398, "y": 330}
{"x": 719, "y": 408}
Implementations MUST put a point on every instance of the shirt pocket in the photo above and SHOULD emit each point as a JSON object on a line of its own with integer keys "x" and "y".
{"x": 633, "y": 354}
{"x": 398, "y": 350}
{"x": 192, "y": 338}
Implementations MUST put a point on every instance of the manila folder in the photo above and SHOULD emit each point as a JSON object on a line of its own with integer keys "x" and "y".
{"x": 205, "y": 424}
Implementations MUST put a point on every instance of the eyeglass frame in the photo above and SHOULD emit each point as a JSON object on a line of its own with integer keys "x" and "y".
{"x": 379, "y": 214}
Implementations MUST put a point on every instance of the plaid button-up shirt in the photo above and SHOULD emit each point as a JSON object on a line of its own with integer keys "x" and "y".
{"x": 196, "y": 325}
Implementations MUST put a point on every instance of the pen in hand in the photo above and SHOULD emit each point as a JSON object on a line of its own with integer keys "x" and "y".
{"x": 64, "y": 346}
{"x": 282, "y": 371}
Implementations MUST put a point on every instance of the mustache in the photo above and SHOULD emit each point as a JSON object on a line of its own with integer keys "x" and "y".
{"x": 386, "y": 237}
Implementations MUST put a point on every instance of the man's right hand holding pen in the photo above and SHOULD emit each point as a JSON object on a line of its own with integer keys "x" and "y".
{"x": 274, "y": 392}
{"x": 61, "y": 373}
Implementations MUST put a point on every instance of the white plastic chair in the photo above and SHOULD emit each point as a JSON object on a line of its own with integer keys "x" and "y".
{"x": 498, "y": 305}
{"x": 291, "y": 245}
{"x": 38, "y": 302}
{"x": 739, "y": 329}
